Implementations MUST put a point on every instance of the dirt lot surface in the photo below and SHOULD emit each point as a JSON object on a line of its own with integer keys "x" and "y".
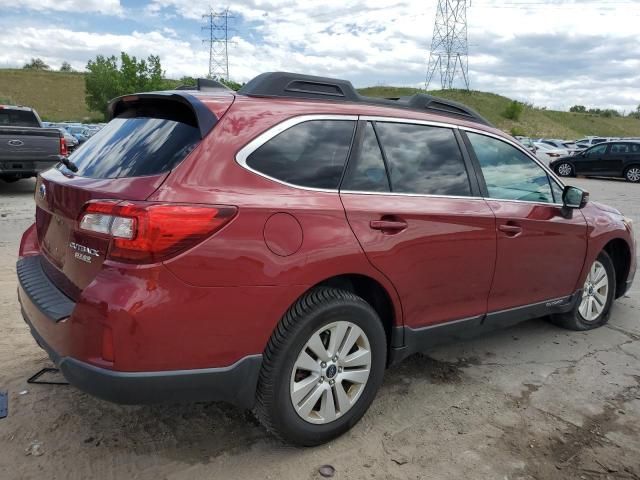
{"x": 531, "y": 402}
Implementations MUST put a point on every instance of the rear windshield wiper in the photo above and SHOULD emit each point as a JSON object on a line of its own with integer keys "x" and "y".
{"x": 68, "y": 163}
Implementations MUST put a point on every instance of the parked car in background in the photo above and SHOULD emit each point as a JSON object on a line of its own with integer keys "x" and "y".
{"x": 611, "y": 159}
{"x": 590, "y": 141}
{"x": 570, "y": 147}
{"x": 547, "y": 153}
{"x": 528, "y": 144}
{"x": 80, "y": 132}
{"x": 70, "y": 140}
{"x": 26, "y": 147}
{"x": 278, "y": 247}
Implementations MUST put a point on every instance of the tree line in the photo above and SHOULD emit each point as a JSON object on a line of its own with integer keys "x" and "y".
{"x": 110, "y": 77}
{"x": 604, "y": 112}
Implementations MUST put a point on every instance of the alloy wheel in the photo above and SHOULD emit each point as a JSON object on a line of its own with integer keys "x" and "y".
{"x": 330, "y": 373}
{"x": 564, "y": 169}
{"x": 595, "y": 292}
{"x": 633, "y": 174}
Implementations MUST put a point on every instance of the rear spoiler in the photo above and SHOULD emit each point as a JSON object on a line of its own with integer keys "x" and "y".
{"x": 204, "y": 117}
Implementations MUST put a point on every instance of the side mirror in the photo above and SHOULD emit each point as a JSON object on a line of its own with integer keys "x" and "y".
{"x": 573, "y": 197}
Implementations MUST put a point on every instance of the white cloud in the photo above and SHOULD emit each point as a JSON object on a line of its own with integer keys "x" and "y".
{"x": 554, "y": 53}
{"x": 106, "y": 7}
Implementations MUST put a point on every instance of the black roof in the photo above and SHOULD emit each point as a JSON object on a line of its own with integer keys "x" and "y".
{"x": 294, "y": 85}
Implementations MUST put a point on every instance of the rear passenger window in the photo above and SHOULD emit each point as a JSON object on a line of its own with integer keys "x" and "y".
{"x": 309, "y": 154}
{"x": 367, "y": 173}
{"x": 423, "y": 159}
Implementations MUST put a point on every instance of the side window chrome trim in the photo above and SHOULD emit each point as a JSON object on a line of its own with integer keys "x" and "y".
{"x": 253, "y": 145}
{"x": 521, "y": 148}
{"x": 400, "y": 194}
{"x": 377, "y": 118}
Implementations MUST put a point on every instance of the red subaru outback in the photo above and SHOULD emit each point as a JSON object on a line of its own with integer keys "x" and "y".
{"x": 278, "y": 248}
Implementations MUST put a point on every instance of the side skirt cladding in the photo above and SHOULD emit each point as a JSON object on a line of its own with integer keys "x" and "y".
{"x": 423, "y": 339}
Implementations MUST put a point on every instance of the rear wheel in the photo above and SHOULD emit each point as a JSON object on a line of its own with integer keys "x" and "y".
{"x": 632, "y": 174}
{"x": 594, "y": 306}
{"x": 322, "y": 367}
{"x": 565, "y": 170}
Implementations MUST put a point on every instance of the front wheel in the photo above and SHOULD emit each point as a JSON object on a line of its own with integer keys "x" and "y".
{"x": 598, "y": 292}
{"x": 322, "y": 367}
{"x": 565, "y": 170}
{"x": 632, "y": 174}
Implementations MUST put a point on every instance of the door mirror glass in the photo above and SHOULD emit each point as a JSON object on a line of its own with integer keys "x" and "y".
{"x": 573, "y": 197}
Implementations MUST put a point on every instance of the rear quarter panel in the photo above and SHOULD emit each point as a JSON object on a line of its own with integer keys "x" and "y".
{"x": 238, "y": 255}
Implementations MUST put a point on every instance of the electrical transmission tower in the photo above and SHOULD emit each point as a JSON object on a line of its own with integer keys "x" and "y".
{"x": 449, "y": 46}
{"x": 217, "y": 29}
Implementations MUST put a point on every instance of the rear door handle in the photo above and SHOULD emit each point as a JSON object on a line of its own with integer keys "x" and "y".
{"x": 389, "y": 226}
{"x": 510, "y": 230}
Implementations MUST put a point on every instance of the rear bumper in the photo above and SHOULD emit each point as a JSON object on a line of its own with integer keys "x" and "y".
{"x": 235, "y": 384}
{"x": 25, "y": 168}
{"x": 44, "y": 309}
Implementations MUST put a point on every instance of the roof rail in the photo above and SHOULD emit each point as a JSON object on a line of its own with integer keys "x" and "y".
{"x": 204, "y": 84}
{"x": 294, "y": 85}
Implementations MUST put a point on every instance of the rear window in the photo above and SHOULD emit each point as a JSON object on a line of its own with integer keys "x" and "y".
{"x": 18, "y": 118}
{"x": 135, "y": 147}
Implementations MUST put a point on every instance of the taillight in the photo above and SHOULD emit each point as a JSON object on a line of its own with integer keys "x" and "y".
{"x": 63, "y": 147}
{"x": 144, "y": 232}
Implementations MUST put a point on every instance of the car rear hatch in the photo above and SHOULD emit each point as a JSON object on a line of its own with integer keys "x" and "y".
{"x": 127, "y": 160}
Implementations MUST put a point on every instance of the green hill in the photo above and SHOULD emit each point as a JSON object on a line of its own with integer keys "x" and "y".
{"x": 60, "y": 96}
{"x": 56, "y": 96}
{"x": 534, "y": 122}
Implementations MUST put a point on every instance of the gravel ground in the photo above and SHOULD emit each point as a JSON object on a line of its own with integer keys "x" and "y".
{"x": 530, "y": 402}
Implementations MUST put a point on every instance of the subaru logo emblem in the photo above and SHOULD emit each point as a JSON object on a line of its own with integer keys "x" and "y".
{"x": 15, "y": 143}
{"x": 42, "y": 191}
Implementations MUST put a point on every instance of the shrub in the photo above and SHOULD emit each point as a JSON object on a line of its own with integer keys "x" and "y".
{"x": 513, "y": 110}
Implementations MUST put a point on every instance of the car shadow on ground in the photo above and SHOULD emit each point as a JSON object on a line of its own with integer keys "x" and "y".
{"x": 25, "y": 186}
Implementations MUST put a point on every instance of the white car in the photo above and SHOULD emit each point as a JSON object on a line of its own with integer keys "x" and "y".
{"x": 547, "y": 153}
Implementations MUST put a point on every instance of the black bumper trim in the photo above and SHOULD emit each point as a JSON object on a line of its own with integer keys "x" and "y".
{"x": 424, "y": 338}
{"x": 235, "y": 384}
{"x": 41, "y": 291}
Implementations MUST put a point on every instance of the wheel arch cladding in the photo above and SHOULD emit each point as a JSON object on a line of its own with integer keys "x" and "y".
{"x": 372, "y": 292}
{"x": 620, "y": 254}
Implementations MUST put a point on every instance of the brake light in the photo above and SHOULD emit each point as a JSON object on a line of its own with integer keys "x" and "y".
{"x": 63, "y": 147}
{"x": 145, "y": 232}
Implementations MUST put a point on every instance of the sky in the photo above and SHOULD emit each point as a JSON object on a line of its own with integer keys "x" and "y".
{"x": 551, "y": 53}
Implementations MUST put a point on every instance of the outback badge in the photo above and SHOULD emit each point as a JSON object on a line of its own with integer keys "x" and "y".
{"x": 83, "y": 253}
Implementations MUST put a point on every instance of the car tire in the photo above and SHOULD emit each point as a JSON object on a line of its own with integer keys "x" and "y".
{"x": 632, "y": 174}
{"x": 565, "y": 170}
{"x": 288, "y": 403}
{"x": 594, "y": 306}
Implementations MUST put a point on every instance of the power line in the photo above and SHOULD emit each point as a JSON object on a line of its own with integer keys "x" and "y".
{"x": 217, "y": 28}
{"x": 449, "y": 54}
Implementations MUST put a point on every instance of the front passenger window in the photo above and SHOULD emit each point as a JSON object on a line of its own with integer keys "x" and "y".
{"x": 509, "y": 173}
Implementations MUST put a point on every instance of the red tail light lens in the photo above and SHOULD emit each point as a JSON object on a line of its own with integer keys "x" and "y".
{"x": 63, "y": 147}
{"x": 144, "y": 232}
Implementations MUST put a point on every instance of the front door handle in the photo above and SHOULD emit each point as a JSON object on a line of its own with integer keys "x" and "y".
{"x": 388, "y": 226}
{"x": 510, "y": 230}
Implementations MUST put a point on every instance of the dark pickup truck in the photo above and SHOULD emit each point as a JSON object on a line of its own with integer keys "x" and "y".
{"x": 26, "y": 148}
